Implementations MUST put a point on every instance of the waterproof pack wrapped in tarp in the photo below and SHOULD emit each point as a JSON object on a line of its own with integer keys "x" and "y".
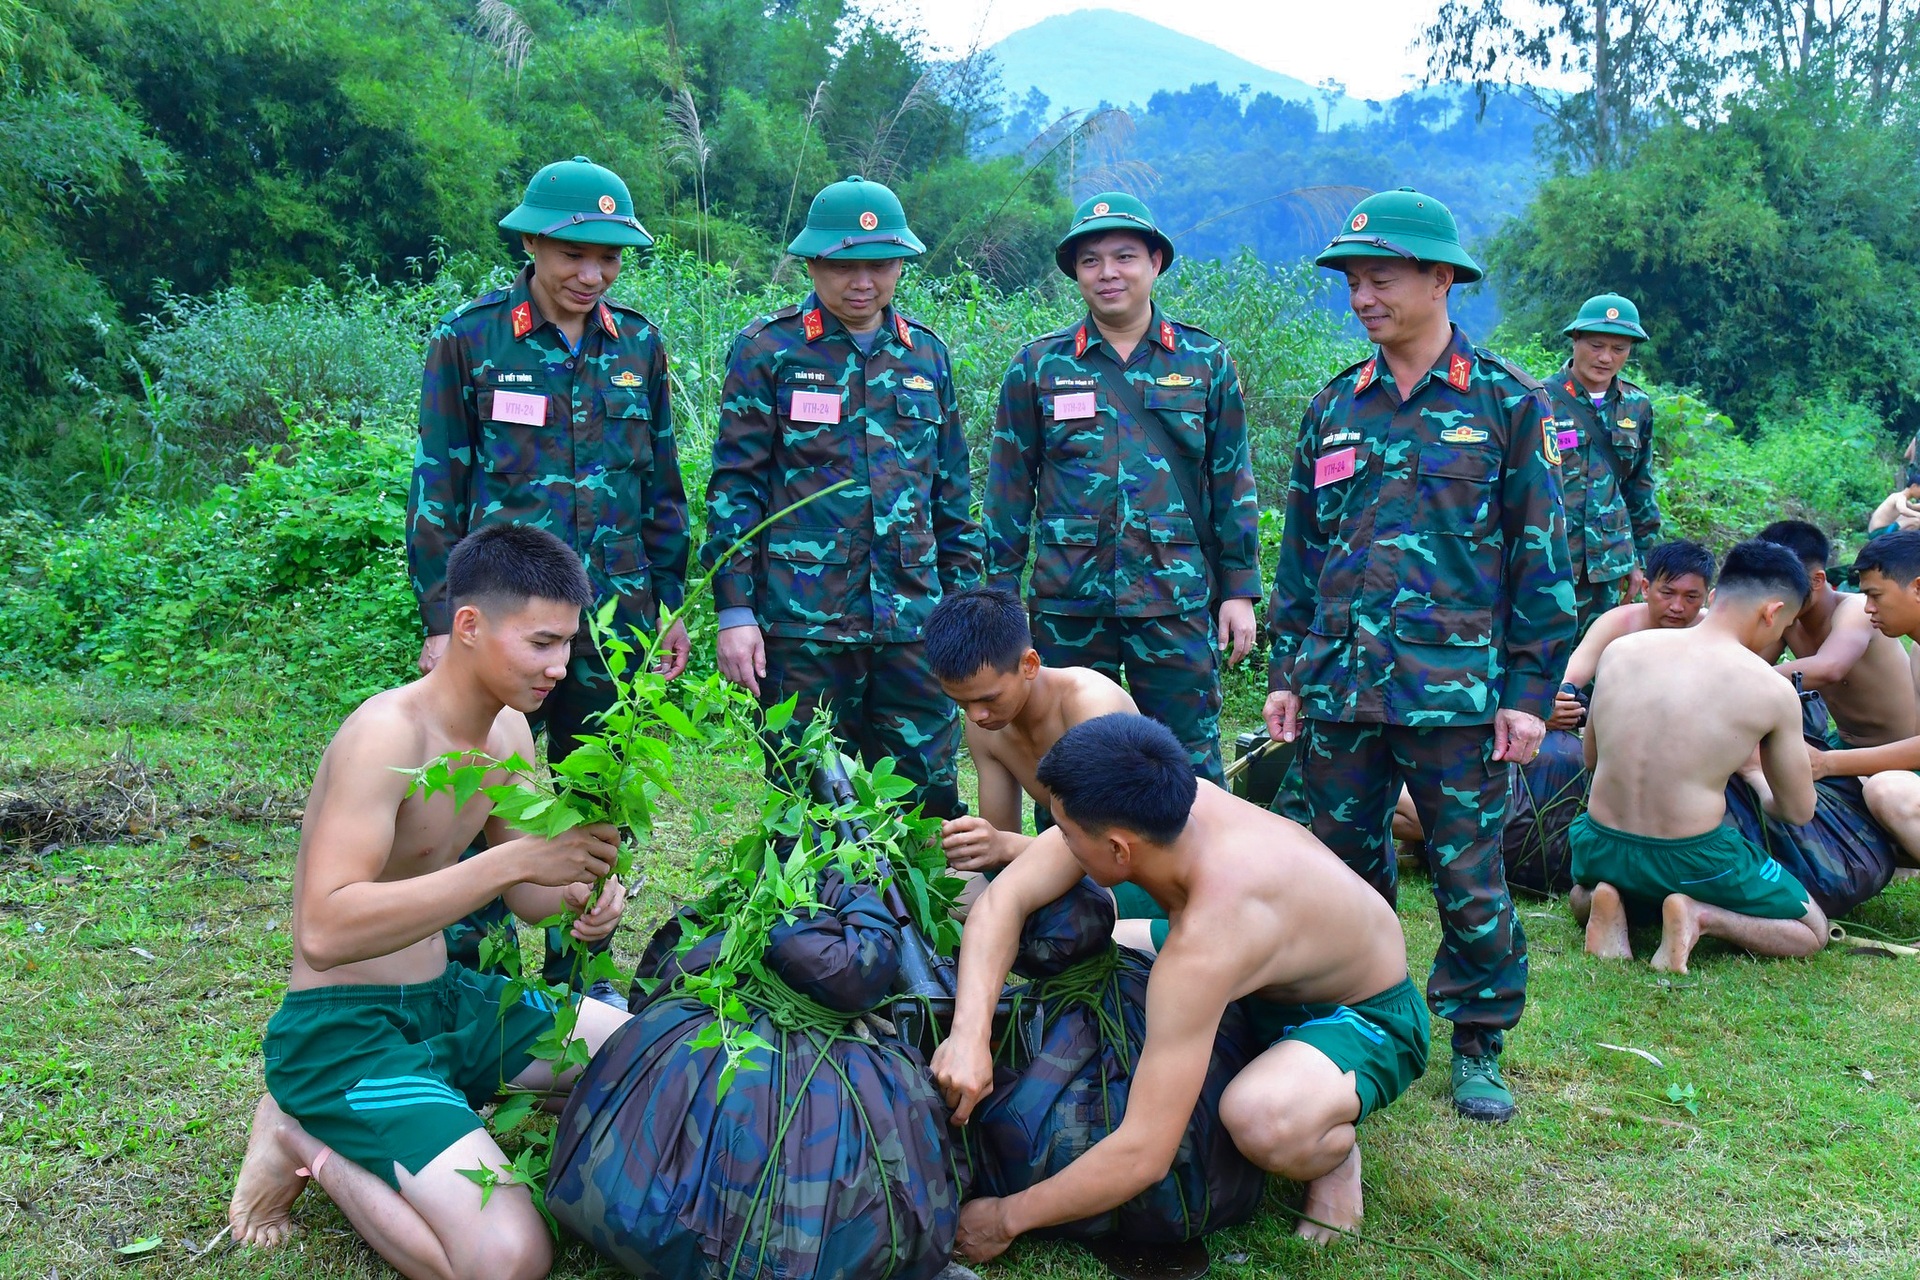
{"x": 828, "y": 1159}
{"x": 1843, "y": 857}
{"x": 1546, "y": 795}
{"x": 829, "y": 1162}
{"x": 1061, "y": 1080}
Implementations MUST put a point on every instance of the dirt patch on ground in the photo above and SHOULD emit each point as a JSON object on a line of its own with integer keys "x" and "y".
{"x": 122, "y": 800}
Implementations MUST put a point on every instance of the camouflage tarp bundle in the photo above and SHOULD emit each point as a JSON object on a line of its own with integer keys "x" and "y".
{"x": 829, "y": 1162}
{"x": 1548, "y": 792}
{"x": 1842, "y": 857}
{"x": 1066, "y": 1063}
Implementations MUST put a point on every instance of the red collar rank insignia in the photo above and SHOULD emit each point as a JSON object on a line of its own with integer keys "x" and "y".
{"x": 1571, "y": 389}
{"x": 522, "y": 320}
{"x": 626, "y": 378}
{"x": 1166, "y": 335}
{"x": 607, "y": 321}
{"x": 811, "y": 325}
{"x": 914, "y": 382}
{"x": 1366, "y": 376}
{"x": 1080, "y": 342}
{"x": 1460, "y": 373}
{"x": 900, "y": 327}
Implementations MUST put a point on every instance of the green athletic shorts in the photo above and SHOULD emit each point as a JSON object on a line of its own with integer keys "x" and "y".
{"x": 1135, "y": 903}
{"x": 1383, "y": 1040}
{"x": 1721, "y": 868}
{"x": 386, "y": 1074}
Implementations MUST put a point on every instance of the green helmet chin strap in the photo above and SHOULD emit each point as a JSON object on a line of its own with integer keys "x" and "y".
{"x": 575, "y": 219}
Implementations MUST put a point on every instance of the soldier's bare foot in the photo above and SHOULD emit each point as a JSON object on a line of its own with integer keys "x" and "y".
{"x": 1335, "y": 1199}
{"x": 1680, "y": 929}
{"x": 1607, "y": 925}
{"x": 260, "y": 1212}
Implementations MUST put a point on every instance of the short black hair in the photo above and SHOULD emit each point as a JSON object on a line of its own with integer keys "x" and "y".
{"x": 1801, "y": 538}
{"x": 1678, "y": 559}
{"x": 1122, "y": 770}
{"x": 1895, "y": 555}
{"x": 1757, "y": 567}
{"x": 510, "y": 564}
{"x": 975, "y": 628}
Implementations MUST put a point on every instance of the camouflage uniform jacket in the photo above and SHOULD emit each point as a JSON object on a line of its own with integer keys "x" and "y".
{"x": 1599, "y": 507}
{"x": 1115, "y": 536}
{"x": 597, "y": 468}
{"x": 1423, "y": 574}
{"x": 866, "y": 564}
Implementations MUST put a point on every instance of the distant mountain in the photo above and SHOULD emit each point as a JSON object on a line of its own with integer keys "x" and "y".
{"x": 1090, "y": 56}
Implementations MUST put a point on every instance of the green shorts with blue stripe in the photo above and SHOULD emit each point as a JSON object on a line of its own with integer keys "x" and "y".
{"x": 1721, "y": 868}
{"x": 391, "y": 1076}
{"x": 1383, "y": 1040}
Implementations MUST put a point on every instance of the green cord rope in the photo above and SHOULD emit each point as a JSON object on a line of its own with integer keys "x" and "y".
{"x": 799, "y": 1015}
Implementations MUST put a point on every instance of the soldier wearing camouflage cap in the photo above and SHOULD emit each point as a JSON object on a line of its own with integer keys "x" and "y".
{"x": 1604, "y": 428}
{"x": 829, "y": 603}
{"x": 1422, "y": 608}
{"x": 546, "y": 403}
{"x": 1120, "y": 461}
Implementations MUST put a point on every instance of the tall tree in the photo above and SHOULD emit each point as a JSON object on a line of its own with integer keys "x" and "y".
{"x": 1644, "y": 60}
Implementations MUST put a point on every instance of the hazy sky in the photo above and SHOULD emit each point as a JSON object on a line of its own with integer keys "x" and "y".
{"x": 1365, "y": 44}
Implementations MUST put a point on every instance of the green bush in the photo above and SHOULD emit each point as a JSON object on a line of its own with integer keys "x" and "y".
{"x": 1829, "y": 463}
{"x": 291, "y": 581}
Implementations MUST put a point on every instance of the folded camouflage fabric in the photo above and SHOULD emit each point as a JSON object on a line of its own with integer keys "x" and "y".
{"x": 1061, "y": 1086}
{"x": 1073, "y": 927}
{"x": 846, "y": 956}
{"x": 830, "y": 1161}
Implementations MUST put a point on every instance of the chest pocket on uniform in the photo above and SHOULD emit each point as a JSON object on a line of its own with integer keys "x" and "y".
{"x": 1076, "y": 439}
{"x": 808, "y": 443}
{"x": 629, "y": 429}
{"x": 1184, "y": 411}
{"x": 513, "y": 447}
{"x": 1456, "y": 489}
{"x": 917, "y": 428}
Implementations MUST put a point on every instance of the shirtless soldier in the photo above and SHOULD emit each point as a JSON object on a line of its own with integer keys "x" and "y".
{"x": 382, "y": 1049}
{"x": 1889, "y": 569}
{"x": 1679, "y": 577}
{"x": 981, "y": 651}
{"x": 1652, "y": 833}
{"x": 1259, "y": 909}
{"x": 1861, "y": 673}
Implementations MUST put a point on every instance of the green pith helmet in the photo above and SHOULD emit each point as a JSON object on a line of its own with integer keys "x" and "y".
{"x": 856, "y": 219}
{"x": 581, "y": 201}
{"x": 1401, "y": 224}
{"x": 1112, "y": 211}
{"x": 1608, "y": 313}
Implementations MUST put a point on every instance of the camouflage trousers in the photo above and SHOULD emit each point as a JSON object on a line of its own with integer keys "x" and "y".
{"x": 1591, "y": 599}
{"x": 565, "y": 715}
{"x": 1351, "y": 775}
{"x": 1171, "y": 667}
{"x": 884, "y": 702}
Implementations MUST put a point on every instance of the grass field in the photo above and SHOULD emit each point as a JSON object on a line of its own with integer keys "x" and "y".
{"x": 142, "y": 951}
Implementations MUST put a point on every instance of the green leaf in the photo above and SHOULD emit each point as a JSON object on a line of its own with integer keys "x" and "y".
{"x": 512, "y": 1113}
{"x": 486, "y": 1179}
{"x": 780, "y": 715}
{"x": 144, "y": 1245}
